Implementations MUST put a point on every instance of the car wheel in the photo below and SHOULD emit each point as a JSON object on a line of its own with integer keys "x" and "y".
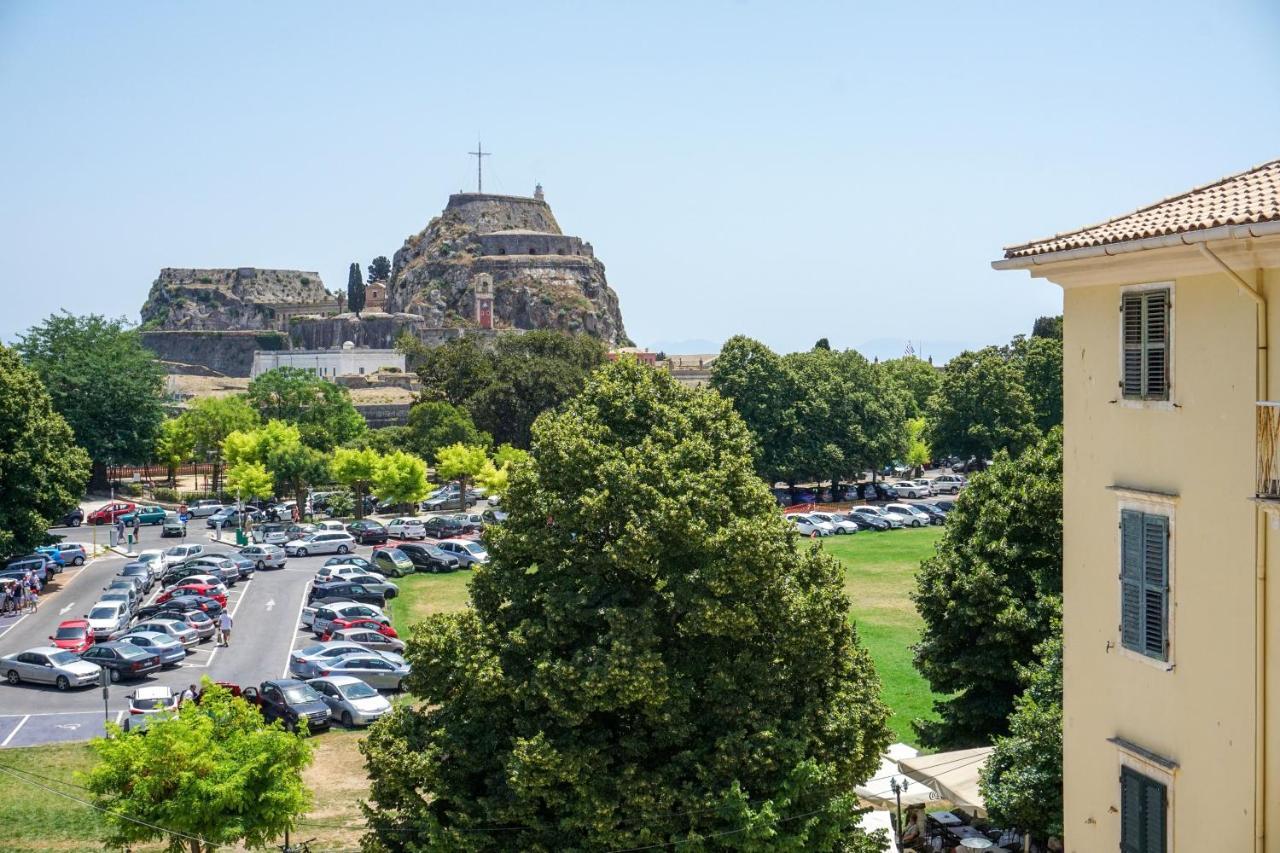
{"x": 78, "y": 561}
{"x": 262, "y": 566}
{"x": 75, "y": 522}
{"x": 346, "y": 720}
{"x": 302, "y": 552}
{"x": 12, "y": 676}
{"x": 342, "y": 549}
{"x": 62, "y": 683}
{"x": 114, "y": 675}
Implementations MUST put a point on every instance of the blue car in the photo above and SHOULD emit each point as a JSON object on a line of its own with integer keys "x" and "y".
{"x": 170, "y": 651}
{"x": 52, "y": 553}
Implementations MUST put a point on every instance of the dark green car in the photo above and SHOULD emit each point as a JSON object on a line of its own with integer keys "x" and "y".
{"x": 146, "y": 515}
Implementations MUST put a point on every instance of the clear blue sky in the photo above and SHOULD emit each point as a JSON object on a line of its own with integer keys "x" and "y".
{"x": 788, "y": 171}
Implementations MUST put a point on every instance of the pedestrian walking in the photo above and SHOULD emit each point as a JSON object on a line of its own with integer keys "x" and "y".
{"x": 224, "y": 627}
{"x": 191, "y": 694}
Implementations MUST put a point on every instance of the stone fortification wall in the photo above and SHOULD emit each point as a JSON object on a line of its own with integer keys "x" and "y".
{"x": 378, "y": 415}
{"x": 229, "y": 353}
{"x": 375, "y": 331}
{"x": 532, "y": 243}
{"x": 228, "y": 299}
{"x": 483, "y": 213}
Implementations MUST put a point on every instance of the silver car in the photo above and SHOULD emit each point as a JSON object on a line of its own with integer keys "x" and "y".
{"x": 49, "y": 665}
{"x": 467, "y": 551}
{"x": 264, "y": 556}
{"x": 170, "y": 650}
{"x": 351, "y": 700}
{"x": 186, "y": 636}
{"x": 372, "y": 668}
{"x": 309, "y": 661}
{"x": 321, "y": 542}
{"x": 107, "y": 618}
{"x": 217, "y": 565}
{"x": 324, "y": 614}
{"x": 368, "y": 638}
{"x": 128, "y": 597}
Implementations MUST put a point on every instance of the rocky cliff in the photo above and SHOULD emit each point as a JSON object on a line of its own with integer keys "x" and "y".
{"x": 432, "y": 274}
{"x": 219, "y": 299}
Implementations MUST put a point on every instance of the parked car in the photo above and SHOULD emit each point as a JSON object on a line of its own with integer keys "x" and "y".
{"x": 322, "y": 542}
{"x": 910, "y": 489}
{"x": 72, "y": 635}
{"x": 49, "y": 665}
{"x": 145, "y": 514}
{"x": 901, "y": 518}
{"x": 38, "y": 564}
{"x": 474, "y": 520}
{"x": 392, "y": 562}
{"x": 308, "y": 661}
{"x": 936, "y": 515}
{"x": 170, "y": 651}
{"x": 204, "y": 508}
{"x": 106, "y": 618}
{"x": 152, "y": 699}
{"x": 193, "y": 589}
{"x": 342, "y": 571}
{"x": 371, "y": 668}
{"x": 221, "y": 566}
{"x": 229, "y": 516}
{"x": 290, "y": 701}
{"x": 870, "y": 516}
{"x": 342, "y": 590}
{"x": 493, "y": 516}
{"x": 109, "y": 513}
{"x": 175, "y": 628}
{"x": 367, "y": 531}
{"x": 72, "y": 518}
{"x": 447, "y": 527}
{"x": 173, "y": 525}
{"x": 181, "y": 553}
{"x": 912, "y": 516}
{"x": 469, "y": 553}
{"x": 945, "y": 504}
{"x": 264, "y": 556}
{"x": 127, "y": 597}
{"x": 244, "y": 566}
{"x": 807, "y": 527}
{"x": 351, "y": 560}
{"x": 924, "y": 481}
{"x": 407, "y": 528}
{"x": 141, "y": 572}
{"x": 152, "y": 558}
{"x": 351, "y": 700}
{"x": 51, "y": 553}
{"x": 73, "y": 553}
{"x": 839, "y": 523}
{"x": 876, "y": 492}
{"x": 326, "y": 616}
{"x": 122, "y": 661}
{"x": 428, "y": 557}
{"x": 948, "y": 484}
{"x": 367, "y": 637}
{"x": 136, "y": 585}
{"x": 353, "y": 621}
{"x": 211, "y": 607}
{"x": 271, "y": 534}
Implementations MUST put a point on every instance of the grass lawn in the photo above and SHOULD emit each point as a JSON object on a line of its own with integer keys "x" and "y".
{"x": 424, "y": 594}
{"x": 879, "y": 574}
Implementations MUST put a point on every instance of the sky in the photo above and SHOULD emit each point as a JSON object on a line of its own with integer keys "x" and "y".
{"x": 788, "y": 171}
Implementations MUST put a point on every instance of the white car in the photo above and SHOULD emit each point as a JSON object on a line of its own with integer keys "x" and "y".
{"x": 894, "y": 519}
{"x": 839, "y": 524}
{"x": 910, "y": 489}
{"x": 921, "y": 481}
{"x": 323, "y": 615}
{"x": 806, "y": 527}
{"x": 407, "y": 528}
{"x": 911, "y": 517}
{"x": 467, "y": 551}
{"x": 107, "y": 618}
{"x": 351, "y": 700}
{"x": 945, "y": 484}
{"x": 344, "y": 570}
{"x": 321, "y": 542}
{"x": 180, "y": 553}
{"x": 331, "y": 524}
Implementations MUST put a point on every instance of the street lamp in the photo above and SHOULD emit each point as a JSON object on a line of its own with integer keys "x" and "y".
{"x": 897, "y": 793}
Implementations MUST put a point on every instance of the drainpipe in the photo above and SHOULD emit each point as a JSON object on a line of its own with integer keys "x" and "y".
{"x": 1260, "y": 593}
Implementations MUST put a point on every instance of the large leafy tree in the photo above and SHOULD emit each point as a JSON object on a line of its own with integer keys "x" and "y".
{"x": 981, "y": 407}
{"x": 764, "y": 394}
{"x": 1040, "y": 361}
{"x": 212, "y": 776}
{"x": 919, "y": 377}
{"x": 321, "y": 409}
{"x": 1047, "y": 327}
{"x": 42, "y": 468}
{"x": 400, "y": 479}
{"x": 462, "y": 463}
{"x": 175, "y": 444}
{"x": 435, "y": 424}
{"x": 277, "y": 446}
{"x": 108, "y": 387}
{"x": 991, "y": 593}
{"x": 651, "y": 657}
{"x": 380, "y": 269}
{"x": 356, "y": 469}
{"x": 1022, "y": 781}
{"x": 210, "y": 420}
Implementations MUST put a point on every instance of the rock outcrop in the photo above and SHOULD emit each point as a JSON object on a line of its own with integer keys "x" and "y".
{"x": 233, "y": 299}
{"x": 542, "y": 279}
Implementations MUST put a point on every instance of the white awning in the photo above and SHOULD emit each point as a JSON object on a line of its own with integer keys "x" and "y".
{"x": 878, "y": 790}
{"x": 953, "y": 776}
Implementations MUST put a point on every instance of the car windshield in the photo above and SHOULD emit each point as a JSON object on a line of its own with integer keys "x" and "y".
{"x": 63, "y": 658}
{"x": 300, "y": 693}
{"x": 396, "y": 555}
{"x": 475, "y": 548}
{"x": 155, "y": 703}
{"x": 70, "y": 633}
{"x": 103, "y": 613}
{"x": 359, "y": 690}
{"x": 315, "y": 649}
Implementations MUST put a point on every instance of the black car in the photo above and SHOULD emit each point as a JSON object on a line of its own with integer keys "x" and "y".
{"x": 874, "y": 522}
{"x": 122, "y": 660}
{"x": 876, "y": 492}
{"x": 428, "y": 557}
{"x": 936, "y": 514}
{"x": 183, "y": 603}
{"x": 73, "y": 518}
{"x": 447, "y": 527}
{"x": 944, "y": 504}
{"x": 140, "y": 571}
{"x": 344, "y": 591}
{"x": 290, "y": 701}
{"x": 368, "y": 532}
{"x": 493, "y": 516}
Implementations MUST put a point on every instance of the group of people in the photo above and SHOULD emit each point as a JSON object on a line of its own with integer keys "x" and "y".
{"x": 23, "y": 596}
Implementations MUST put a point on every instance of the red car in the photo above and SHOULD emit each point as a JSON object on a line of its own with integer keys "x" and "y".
{"x": 359, "y": 622}
{"x": 109, "y": 513}
{"x": 73, "y": 635}
{"x": 204, "y": 589}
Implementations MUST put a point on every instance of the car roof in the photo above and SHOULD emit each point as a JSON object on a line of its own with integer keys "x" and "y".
{"x": 340, "y": 680}
{"x": 153, "y": 691}
{"x": 284, "y": 682}
{"x": 44, "y": 650}
{"x": 74, "y": 623}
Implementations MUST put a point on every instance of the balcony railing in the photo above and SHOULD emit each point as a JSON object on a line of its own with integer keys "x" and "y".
{"x": 1268, "y": 474}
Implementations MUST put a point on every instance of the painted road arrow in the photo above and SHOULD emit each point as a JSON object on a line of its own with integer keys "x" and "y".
{"x": 271, "y": 603}
{"x": 63, "y": 611}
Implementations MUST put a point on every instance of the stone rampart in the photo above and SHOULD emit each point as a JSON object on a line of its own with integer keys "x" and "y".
{"x": 532, "y": 243}
{"x": 485, "y": 212}
{"x": 378, "y": 415}
{"x": 229, "y": 353}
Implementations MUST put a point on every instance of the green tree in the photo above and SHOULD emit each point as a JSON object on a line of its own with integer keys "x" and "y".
{"x": 355, "y": 289}
{"x": 454, "y": 372}
{"x": 278, "y": 447}
{"x": 1040, "y": 361}
{"x": 461, "y": 463}
{"x": 249, "y": 480}
{"x": 990, "y": 593}
{"x": 1047, "y": 327}
{"x": 42, "y": 468}
{"x": 321, "y": 409}
{"x": 381, "y": 440}
{"x": 919, "y": 377}
{"x": 400, "y": 478}
{"x": 507, "y": 455}
{"x": 213, "y": 775}
{"x": 380, "y": 269}
{"x": 1022, "y": 781}
{"x": 651, "y": 659}
{"x": 108, "y": 387}
{"x": 764, "y": 394}
{"x": 175, "y": 445}
{"x": 822, "y": 343}
{"x": 356, "y": 469}
{"x": 210, "y": 420}
{"x": 435, "y": 424}
{"x": 981, "y": 407}
{"x": 918, "y": 451}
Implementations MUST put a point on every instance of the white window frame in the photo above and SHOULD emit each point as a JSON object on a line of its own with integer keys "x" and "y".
{"x": 1156, "y": 772}
{"x": 1151, "y": 503}
{"x": 1168, "y": 405}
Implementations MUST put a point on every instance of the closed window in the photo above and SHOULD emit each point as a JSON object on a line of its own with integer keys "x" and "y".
{"x": 1144, "y": 583}
{"x": 1145, "y": 319}
{"x": 1143, "y": 805}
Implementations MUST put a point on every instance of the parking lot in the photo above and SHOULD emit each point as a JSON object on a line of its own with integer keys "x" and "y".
{"x": 265, "y": 608}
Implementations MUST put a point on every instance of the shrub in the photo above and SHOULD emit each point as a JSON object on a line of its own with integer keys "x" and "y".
{"x": 165, "y": 494}
{"x": 133, "y": 490}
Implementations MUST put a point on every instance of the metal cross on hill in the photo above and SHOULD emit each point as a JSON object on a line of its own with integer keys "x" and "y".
{"x": 480, "y": 154}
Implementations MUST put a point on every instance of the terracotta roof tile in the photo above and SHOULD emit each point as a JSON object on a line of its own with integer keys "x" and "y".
{"x": 1245, "y": 198}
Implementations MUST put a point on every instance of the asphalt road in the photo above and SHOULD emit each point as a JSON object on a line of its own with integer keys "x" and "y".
{"x": 265, "y": 608}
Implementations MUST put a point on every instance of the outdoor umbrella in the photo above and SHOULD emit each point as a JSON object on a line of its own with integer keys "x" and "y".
{"x": 953, "y": 776}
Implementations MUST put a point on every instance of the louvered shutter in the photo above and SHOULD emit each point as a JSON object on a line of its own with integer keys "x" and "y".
{"x": 1155, "y": 323}
{"x": 1155, "y": 586}
{"x": 1131, "y": 580}
{"x": 1143, "y": 807}
{"x": 1131, "y": 318}
{"x": 1153, "y": 816}
{"x": 1130, "y": 811}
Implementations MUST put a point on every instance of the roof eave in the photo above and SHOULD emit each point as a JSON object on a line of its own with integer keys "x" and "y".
{"x": 1161, "y": 241}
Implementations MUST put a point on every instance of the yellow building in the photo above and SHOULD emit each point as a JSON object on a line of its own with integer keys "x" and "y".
{"x": 1171, "y": 576}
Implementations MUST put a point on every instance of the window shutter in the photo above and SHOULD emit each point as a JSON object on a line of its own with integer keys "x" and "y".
{"x": 1130, "y": 811}
{"x": 1155, "y": 586}
{"x": 1131, "y": 318}
{"x": 1131, "y": 572}
{"x": 1143, "y": 804}
{"x": 1153, "y": 813}
{"x": 1155, "y": 345}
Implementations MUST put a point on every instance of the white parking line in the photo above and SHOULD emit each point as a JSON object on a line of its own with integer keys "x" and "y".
{"x": 297, "y": 620}
{"x": 20, "y": 724}
{"x": 7, "y": 628}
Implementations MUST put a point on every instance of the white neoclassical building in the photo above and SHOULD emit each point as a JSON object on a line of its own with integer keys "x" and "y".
{"x": 346, "y": 360}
